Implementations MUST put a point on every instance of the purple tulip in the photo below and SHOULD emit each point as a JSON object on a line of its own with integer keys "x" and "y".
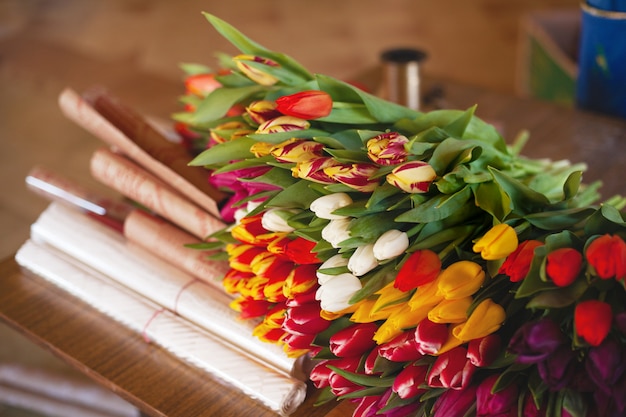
{"x": 605, "y": 364}
{"x": 498, "y": 404}
{"x": 535, "y": 341}
{"x": 455, "y": 403}
{"x": 242, "y": 189}
{"x": 558, "y": 370}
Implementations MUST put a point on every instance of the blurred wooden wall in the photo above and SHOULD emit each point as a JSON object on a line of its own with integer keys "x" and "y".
{"x": 473, "y": 41}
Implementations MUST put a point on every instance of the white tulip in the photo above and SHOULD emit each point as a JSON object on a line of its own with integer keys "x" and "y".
{"x": 390, "y": 244}
{"x": 274, "y": 220}
{"x": 332, "y": 262}
{"x": 324, "y": 206}
{"x": 362, "y": 260}
{"x": 336, "y": 231}
{"x": 336, "y": 293}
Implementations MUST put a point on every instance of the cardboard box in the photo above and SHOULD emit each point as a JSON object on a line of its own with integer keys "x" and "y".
{"x": 548, "y": 50}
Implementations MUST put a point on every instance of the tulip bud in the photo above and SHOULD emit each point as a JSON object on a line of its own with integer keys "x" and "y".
{"x": 362, "y": 260}
{"x": 500, "y": 403}
{"x": 517, "y": 264}
{"x": 592, "y": 320}
{"x": 430, "y": 337}
{"x": 311, "y": 104}
{"x": 297, "y": 150}
{"x": 336, "y": 231}
{"x": 300, "y": 280}
{"x": 421, "y": 268}
{"x": 460, "y": 280}
{"x": 261, "y": 111}
{"x": 483, "y": 351}
{"x": 499, "y": 242}
{"x": 412, "y": 177}
{"x": 563, "y": 266}
{"x": 201, "y": 84}
{"x": 486, "y": 318}
{"x": 401, "y": 348}
{"x": 300, "y": 251}
{"x": 324, "y": 206}
{"x": 320, "y": 374}
{"x": 455, "y": 403}
{"x": 390, "y": 244}
{"x": 305, "y": 319}
{"x": 314, "y": 170}
{"x": 353, "y": 340}
{"x": 283, "y": 124}
{"x": 452, "y": 370}
{"x": 356, "y": 176}
{"x": 229, "y": 131}
{"x": 335, "y": 294}
{"x": 605, "y": 364}
{"x": 387, "y": 148}
{"x": 407, "y": 383}
{"x": 450, "y": 311}
{"x": 332, "y": 262}
{"x": 255, "y": 74}
{"x": 607, "y": 256}
{"x": 261, "y": 149}
{"x": 535, "y": 341}
{"x": 275, "y": 220}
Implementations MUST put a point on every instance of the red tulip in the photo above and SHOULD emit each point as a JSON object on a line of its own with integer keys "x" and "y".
{"x": 306, "y": 105}
{"x": 430, "y": 337}
{"x": 407, "y": 382}
{"x": 420, "y": 268}
{"x": 452, "y": 370}
{"x": 201, "y": 84}
{"x": 402, "y": 348}
{"x": 517, "y": 264}
{"x": 563, "y": 266}
{"x": 483, "y": 351}
{"x": 300, "y": 251}
{"x": 353, "y": 340}
{"x": 607, "y": 255}
{"x": 305, "y": 319}
{"x": 592, "y": 319}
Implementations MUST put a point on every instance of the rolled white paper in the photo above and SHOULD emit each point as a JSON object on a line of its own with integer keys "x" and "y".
{"x": 187, "y": 341}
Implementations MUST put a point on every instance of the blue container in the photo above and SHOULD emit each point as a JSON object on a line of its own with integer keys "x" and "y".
{"x": 601, "y": 83}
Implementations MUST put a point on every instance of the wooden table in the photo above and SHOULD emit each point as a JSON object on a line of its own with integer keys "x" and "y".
{"x": 160, "y": 385}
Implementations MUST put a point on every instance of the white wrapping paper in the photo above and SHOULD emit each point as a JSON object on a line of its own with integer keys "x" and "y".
{"x": 275, "y": 389}
{"x": 110, "y": 253}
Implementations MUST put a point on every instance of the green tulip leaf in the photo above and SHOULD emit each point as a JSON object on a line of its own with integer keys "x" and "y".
{"x": 248, "y": 46}
{"x": 437, "y": 208}
{"x": 225, "y": 152}
{"x": 523, "y": 199}
{"x": 559, "y": 219}
{"x": 458, "y": 126}
{"x": 219, "y": 101}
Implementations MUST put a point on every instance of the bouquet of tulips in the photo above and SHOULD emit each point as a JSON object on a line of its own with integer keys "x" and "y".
{"x": 424, "y": 265}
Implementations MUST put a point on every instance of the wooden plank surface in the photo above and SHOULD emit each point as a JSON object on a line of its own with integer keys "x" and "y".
{"x": 144, "y": 374}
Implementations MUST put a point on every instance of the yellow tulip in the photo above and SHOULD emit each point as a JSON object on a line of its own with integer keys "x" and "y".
{"x": 498, "y": 243}
{"x": 366, "y": 313}
{"x": 486, "y": 318}
{"x": 425, "y": 297}
{"x": 450, "y": 311}
{"x": 460, "y": 280}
